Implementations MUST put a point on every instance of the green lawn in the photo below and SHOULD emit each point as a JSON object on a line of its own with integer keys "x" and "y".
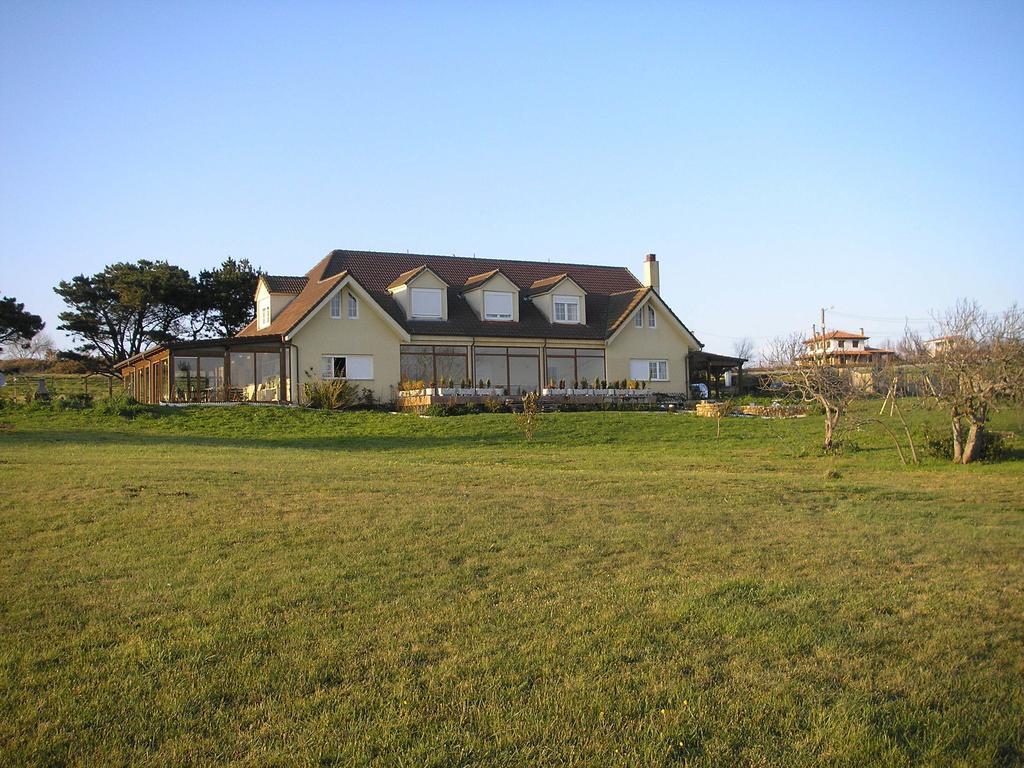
{"x": 266, "y": 586}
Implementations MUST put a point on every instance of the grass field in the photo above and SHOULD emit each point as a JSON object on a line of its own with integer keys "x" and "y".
{"x": 266, "y": 586}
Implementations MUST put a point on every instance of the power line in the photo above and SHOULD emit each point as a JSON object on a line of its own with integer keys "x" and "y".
{"x": 875, "y": 319}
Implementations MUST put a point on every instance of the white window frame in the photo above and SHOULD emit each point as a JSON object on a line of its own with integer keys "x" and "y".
{"x": 336, "y": 306}
{"x": 353, "y": 306}
{"x": 647, "y": 367}
{"x": 263, "y": 313}
{"x": 500, "y": 316}
{"x": 414, "y": 292}
{"x": 348, "y": 361}
{"x": 638, "y": 319}
{"x": 566, "y": 301}
{"x": 657, "y": 366}
{"x": 652, "y": 321}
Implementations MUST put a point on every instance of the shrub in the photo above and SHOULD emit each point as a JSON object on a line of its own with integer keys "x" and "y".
{"x": 120, "y": 405}
{"x": 333, "y": 395}
{"x": 76, "y": 400}
{"x": 494, "y": 405}
{"x": 526, "y": 420}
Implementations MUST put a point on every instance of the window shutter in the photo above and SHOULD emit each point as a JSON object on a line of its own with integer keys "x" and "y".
{"x": 326, "y": 367}
{"x": 639, "y": 370}
{"x": 359, "y": 367}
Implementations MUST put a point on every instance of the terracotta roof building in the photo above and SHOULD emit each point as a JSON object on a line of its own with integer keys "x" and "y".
{"x": 383, "y": 318}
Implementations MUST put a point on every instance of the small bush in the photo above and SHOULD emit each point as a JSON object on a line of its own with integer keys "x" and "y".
{"x": 333, "y": 395}
{"x": 120, "y": 405}
{"x": 76, "y": 400}
{"x": 526, "y": 420}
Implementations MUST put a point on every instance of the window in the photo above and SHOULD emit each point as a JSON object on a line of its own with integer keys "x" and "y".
{"x": 516, "y": 368}
{"x": 336, "y": 306}
{"x": 571, "y": 365}
{"x": 264, "y": 313}
{"x": 842, "y": 344}
{"x": 650, "y": 317}
{"x": 353, "y": 307}
{"x": 497, "y": 305}
{"x": 567, "y": 309}
{"x": 351, "y": 367}
{"x": 648, "y": 370}
{"x": 422, "y": 362}
{"x": 854, "y": 344}
{"x": 426, "y": 303}
{"x": 638, "y": 318}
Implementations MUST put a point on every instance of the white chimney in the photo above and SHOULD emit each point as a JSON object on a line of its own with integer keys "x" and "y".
{"x": 652, "y": 278}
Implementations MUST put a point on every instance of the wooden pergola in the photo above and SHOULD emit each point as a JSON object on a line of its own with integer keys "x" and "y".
{"x": 708, "y": 368}
{"x": 246, "y": 369}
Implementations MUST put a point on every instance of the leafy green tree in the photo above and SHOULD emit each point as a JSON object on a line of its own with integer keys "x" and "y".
{"x": 225, "y": 298}
{"x": 16, "y": 325}
{"x": 118, "y": 312}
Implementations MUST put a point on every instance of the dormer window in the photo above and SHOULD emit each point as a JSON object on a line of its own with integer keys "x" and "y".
{"x": 497, "y": 305}
{"x": 264, "y": 313}
{"x": 651, "y": 317}
{"x": 426, "y": 303}
{"x": 567, "y": 309}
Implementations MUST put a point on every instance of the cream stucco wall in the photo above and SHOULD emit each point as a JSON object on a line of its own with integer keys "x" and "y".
{"x": 546, "y": 301}
{"x": 475, "y": 297}
{"x": 370, "y": 334}
{"x": 666, "y": 341}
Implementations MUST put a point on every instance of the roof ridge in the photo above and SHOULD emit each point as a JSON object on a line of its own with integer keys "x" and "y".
{"x": 479, "y": 258}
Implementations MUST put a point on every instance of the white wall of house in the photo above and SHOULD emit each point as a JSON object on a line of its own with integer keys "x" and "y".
{"x": 632, "y": 349}
{"x": 371, "y": 334}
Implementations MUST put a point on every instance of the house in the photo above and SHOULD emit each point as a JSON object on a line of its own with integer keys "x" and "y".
{"x": 378, "y": 319}
{"x": 937, "y": 346}
{"x": 843, "y": 349}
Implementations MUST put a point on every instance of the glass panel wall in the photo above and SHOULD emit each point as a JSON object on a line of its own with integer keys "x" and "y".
{"x": 243, "y": 376}
{"x": 515, "y": 368}
{"x": 426, "y": 363}
{"x": 574, "y": 366}
{"x": 268, "y": 377}
{"x": 491, "y": 365}
{"x": 186, "y": 379}
{"x": 211, "y": 378}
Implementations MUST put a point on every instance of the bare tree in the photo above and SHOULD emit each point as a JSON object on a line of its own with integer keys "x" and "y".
{"x": 743, "y": 348}
{"x": 811, "y": 379}
{"x": 979, "y": 367}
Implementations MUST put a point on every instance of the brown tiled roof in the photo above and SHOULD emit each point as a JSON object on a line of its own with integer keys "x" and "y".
{"x": 835, "y": 335}
{"x": 285, "y": 283}
{"x": 406, "y": 276}
{"x": 318, "y": 285}
{"x": 376, "y": 271}
{"x": 611, "y": 291}
{"x": 483, "y": 277}
{"x": 621, "y": 306}
{"x": 544, "y": 285}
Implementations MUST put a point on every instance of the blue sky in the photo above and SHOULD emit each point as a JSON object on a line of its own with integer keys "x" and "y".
{"x": 778, "y": 157}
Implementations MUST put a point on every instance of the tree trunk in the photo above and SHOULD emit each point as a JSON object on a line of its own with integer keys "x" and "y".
{"x": 829, "y": 430}
{"x": 958, "y": 440}
{"x": 973, "y": 446}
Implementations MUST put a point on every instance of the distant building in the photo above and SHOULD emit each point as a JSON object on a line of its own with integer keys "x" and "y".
{"x": 938, "y": 345}
{"x": 844, "y": 349}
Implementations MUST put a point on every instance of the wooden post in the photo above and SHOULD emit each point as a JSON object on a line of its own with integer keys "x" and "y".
{"x": 281, "y": 375}
{"x": 227, "y": 374}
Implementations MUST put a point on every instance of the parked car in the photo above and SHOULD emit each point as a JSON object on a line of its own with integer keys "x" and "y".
{"x": 699, "y": 391}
